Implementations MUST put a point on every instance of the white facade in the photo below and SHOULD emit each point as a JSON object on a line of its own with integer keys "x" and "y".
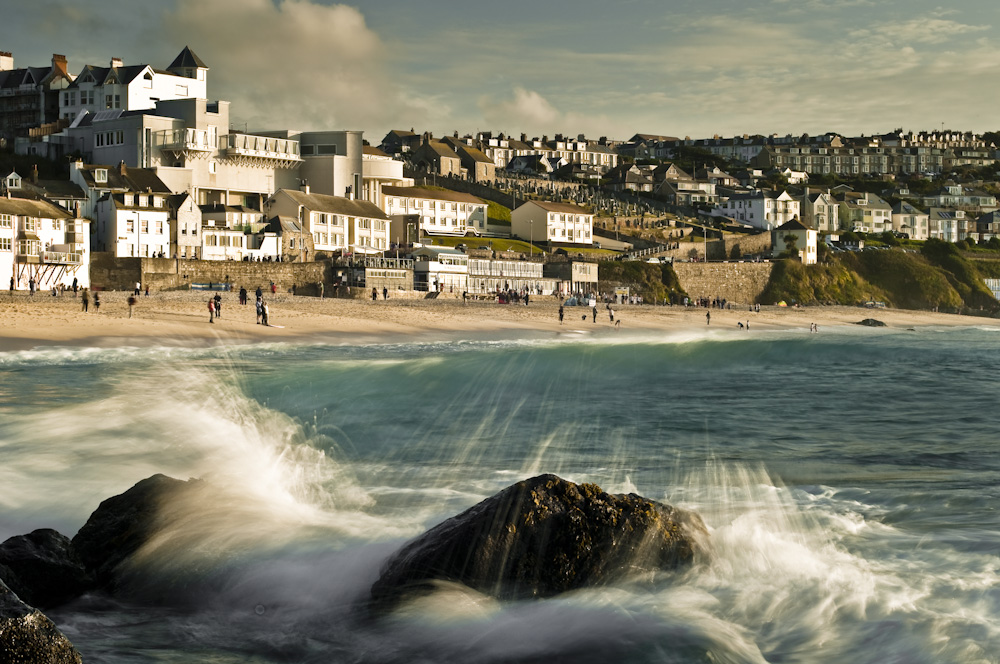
{"x": 765, "y": 210}
{"x": 563, "y": 223}
{"x": 43, "y": 242}
{"x": 133, "y": 224}
{"x": 820, "y": 211}
{"x": 439, "y": 212}
{"x": 335, "y": 223}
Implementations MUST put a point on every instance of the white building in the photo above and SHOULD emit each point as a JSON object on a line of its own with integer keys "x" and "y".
{"x": 491, "y": 275}
{"x": 43, "y": 242}
{"x": 335, "y": 223}
{"x": 133, "y": 87}
{"x": 134, "y": 224}
{"x": 440, "y": 269}
{"x": 438, "y": 212}
{"x": 820, "y": 210}
{"x": 796, "y": 235}
{"x": 560, "y": 223}
{"x": 765, "y": 209}
{"x": 910, "y": 221}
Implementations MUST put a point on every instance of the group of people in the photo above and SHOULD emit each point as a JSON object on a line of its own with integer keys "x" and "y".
{"x": 263, "y": 311}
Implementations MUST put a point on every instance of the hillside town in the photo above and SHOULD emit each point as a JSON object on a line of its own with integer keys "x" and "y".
{"x": 162, "y": 186}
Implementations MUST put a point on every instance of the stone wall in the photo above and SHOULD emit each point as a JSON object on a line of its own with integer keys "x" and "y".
{"x": 740, "y": 283}
{"x": 110, "y": 273}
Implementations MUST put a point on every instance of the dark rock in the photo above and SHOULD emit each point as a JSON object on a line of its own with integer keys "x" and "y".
{"x": 42, "y": 568}
{"x": 28, "y": 637}
{"x": 541, "y": 537}
{"x": 871, "y": 322}
{"x": 121, "y": 525}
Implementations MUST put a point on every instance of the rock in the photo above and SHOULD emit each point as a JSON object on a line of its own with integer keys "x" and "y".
{"x": 28, "y": 637}
{"x": 42, "y": 568}
{"x": 122, "y": 524}
{"x": 541, "y": 537}
{"x": 871, "y": 322}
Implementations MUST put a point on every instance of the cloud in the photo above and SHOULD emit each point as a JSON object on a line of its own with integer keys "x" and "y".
{"x": 925, "y": 30}
{"x": 294, "y": 64}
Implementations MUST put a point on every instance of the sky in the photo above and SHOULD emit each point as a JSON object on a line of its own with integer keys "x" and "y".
{"x": 695, "y": 68}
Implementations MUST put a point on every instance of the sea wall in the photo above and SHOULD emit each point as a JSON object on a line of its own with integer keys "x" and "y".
{"x": 736, "y": 282}
{"x": 110, "y": 273}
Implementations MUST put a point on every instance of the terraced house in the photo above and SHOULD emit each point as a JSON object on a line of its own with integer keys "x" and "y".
{"x": 434, "y": 211}
{"x": 42, "y": 243}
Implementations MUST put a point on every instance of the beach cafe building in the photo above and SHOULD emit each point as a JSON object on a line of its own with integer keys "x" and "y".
{"x": 440, "y": 269}
{"x": 491, "y": 276}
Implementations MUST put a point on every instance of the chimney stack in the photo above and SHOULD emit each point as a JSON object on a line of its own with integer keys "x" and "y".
{"x": 34, "y": 173}
{"x": 304, "y": 186}
{"x": 117, "y": 62}
{"x": 121, "y": 168}
{"x": 59, "y": 63}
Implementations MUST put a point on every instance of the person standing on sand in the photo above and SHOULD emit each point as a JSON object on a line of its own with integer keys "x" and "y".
{"x": 259, "y": 293}
{"x": 243, "y": 295}
{"x": 611, "y": 314}
{"x": 266, "y": 312}
{"x": 218, "y": 306}
{"x": 75, "y": 286}
{"x": 321, "y": 290}
{"x": 374, "y": 294}
{"x": 595, "y": 313}
{"x": 211, "y": 310}
{"x": 560, "y": 314}
{"x": 260, "y": 308}
{"x": 708, "y": 318}
{"x": 274, "y": 288}
{"x": 131, "y": 304}
{"x": 31, "y": 287}
{"x": 138, "y": 287}
{"x": 97, "y": 303}
{"x": 86, "y": 300}
{"x": 12, "y": 285}
{"x": 385, "y": 293}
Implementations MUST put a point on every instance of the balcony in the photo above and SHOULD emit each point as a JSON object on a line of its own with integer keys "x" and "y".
{"x": 187, "y": 142}
{"x": 61, "y": 257}
{"x": 261, "y": 150}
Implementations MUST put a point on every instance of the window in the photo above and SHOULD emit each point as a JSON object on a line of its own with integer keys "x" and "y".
{"x": 129, "y": 226}
{"x": 120, "y": 137}
{"x": 326, "y": 149}
{"x": 57, "y": 224}
{"x": 213, "y": 167}
{"x": 100, "y": 175}
{"x": 147, "y": 80}
{"x": 159, "y": 227}
{"x": 6, "y": 221}
{"x": 5, "y": 244}
{"x": 291, "y": 243}
{"x": 181, "y": 90}
{"x": 107, "y": 101}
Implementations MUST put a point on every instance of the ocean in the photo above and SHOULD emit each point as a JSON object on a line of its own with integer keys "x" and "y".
{"x": 849, "y": 480}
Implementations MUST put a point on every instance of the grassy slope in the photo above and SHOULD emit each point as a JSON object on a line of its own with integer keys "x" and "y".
{"x": 938, "y": 277}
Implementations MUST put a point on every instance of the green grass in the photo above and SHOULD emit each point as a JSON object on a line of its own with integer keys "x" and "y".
{"x": 654, "y": 282}
{"x": 495, "y": 243}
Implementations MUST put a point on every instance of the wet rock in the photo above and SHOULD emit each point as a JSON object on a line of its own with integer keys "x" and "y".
{"x": 871, "y": 322}
{"x": 541, "y": 537}
{"x": 42, "y": 568}
{"x": 121, "y": 525}
{"x": 28, "y": 637}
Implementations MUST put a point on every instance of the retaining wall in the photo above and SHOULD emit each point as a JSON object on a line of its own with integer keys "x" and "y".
{"x": 740, "y": 283}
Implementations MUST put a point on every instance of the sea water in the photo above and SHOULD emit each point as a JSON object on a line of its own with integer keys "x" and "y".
{"x": 849, "y": 480}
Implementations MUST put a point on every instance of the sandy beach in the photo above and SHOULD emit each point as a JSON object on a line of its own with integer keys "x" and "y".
{"x": 181, "y": 317}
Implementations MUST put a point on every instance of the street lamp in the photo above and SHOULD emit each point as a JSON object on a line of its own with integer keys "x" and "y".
{"x": 531, "y": 238}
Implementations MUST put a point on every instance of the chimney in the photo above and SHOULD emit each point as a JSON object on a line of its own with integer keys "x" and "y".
{"x": 304, "y": 186}
{"x": 117, "y": 62}
{"x": 121, "y": 168}
{"x": 6, "y": 60}
{"x": 59, "y": 63}
{"x": 34, "y": 173}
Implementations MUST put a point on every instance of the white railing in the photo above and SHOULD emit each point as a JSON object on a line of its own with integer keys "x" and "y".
{"x": 248, "y": 145}
{"x": 60, "y": 257}
{"x": 185, "y": 139}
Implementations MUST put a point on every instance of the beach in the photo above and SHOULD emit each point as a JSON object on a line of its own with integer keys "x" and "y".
{"x": 182, "y": 316}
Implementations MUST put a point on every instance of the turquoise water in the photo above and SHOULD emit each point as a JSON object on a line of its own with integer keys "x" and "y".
{"x": 849, "y": 480}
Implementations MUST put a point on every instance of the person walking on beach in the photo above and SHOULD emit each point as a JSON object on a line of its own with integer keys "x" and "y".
{"x": 138, "y": 287}
{"x": 560, "y": 314}
{"x": 86, "y": 300}
{"x": 31, "y": 287}
{"x": 385, "y": 293}
{"x": 75, "y": 285}
{"x": 131, "y": 304}
{"x": 611, "y": 314}
{"x": 708, "y": 318}
{"x": 12, "y": 285}
{"x": 260, "y": 309}
{"x": 259, "y": 293}
{"x": 274, "y": 288}
{"x": 321, "y": 290}
{"x": 97, "y": 303}
{"x": 374, "y": 294}
{"x": 218, "y": 306}
{"x": 265, "y": 312}
{"x": 595, "y": 313}
{"x": 211, "y": 310}
{"x": 243, "y": 295}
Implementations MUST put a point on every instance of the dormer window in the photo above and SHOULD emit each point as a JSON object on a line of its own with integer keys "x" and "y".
{"x": 147, "y": 80}
{"x": 100, "y": 175}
